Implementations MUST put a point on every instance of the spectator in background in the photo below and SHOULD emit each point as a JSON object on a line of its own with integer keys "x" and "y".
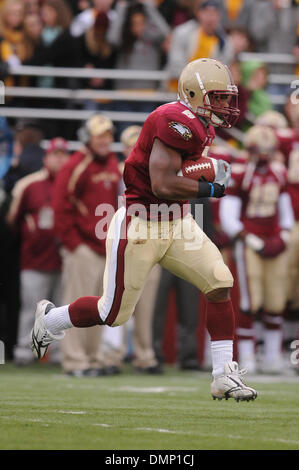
{"x": 56, "y": 17}
{"x": 200, "y": 37}
{"x": 33, "y": 27}
{"x": 31, "y": 213}
{"x": 144, "y": 360}
{"x": 236, "y": 13}
{"x": 255, "y": 79}
{"x": 273, "y": 28}
{"x": 9, "y": 251}
{"x": 11, "y": 29}
{"x": 86, "y": 19}
{"x": 175, "y": 12}
{"x": 90, "y": 178}
{"x": 13, "y": 48}
{"x": 56, "y": 48}
{"x": 32, "y": 7}
{"x": 137, "y": 33}
{"x": 27, "y": 153}
{"x": 6, "y": 147}
{"x": 187, "y": 301}
{"x": 96, "y": 52}
{"x": 79, "y": 6}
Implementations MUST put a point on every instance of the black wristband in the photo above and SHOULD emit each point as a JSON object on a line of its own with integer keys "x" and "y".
{"x": 210, "y": 190}
{"x": 204, "y": 189}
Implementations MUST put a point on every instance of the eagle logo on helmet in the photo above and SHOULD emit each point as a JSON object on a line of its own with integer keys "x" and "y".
{"x": 181, "y": 129}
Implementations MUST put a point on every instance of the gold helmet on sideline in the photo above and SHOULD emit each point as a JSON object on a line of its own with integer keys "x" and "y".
{"x": 199, "y": 81}
{"x": 130, "y": 135}
{"x": 261, "y": 140}
{"x": 94, "y": 126}
{"x": 272, "y": 119}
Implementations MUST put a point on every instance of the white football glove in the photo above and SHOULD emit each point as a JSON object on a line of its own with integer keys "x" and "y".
{"x": 223, "y": 173}
{"x": 254, "y": 242}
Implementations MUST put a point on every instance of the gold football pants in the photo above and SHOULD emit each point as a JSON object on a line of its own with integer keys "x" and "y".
{"x": 135, "y": 245}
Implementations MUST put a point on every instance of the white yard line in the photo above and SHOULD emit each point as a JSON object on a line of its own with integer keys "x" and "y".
{"x": 128, "y": 388}
{"x": 230, "y": 436}
{"x": 103, "y": 425}
{"x": 168, "y": 431}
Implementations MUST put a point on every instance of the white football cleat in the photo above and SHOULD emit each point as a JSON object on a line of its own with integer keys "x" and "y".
{"x": 40, "y": 337}
{"x": 231, "y": 385}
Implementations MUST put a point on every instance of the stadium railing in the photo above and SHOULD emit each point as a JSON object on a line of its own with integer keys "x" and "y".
{"x": 78, "y": 95}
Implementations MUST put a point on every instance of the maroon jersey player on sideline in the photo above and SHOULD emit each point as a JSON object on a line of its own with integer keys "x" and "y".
{"x": 135, "y": 243}
{"x": 257, "y": 214}
{"x": 289, "y": 145}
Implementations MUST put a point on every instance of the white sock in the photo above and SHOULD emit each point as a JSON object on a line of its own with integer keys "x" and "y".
{"x": 272, "y": 345}
{"x": 58, "y": 319}
{"x": 246, "y": 354}
{"x": 245, "y": 349}
{"x": 222, "y": 353}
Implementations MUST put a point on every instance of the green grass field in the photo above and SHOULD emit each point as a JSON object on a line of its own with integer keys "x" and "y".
{"x": 43, "y": 409}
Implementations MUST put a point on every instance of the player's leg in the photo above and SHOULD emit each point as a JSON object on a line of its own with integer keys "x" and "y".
{"x": 34, "y": 285}
{"x": 128, "y": 263}
{"x": 250, "y": 279}
{"x": 196, "y": 259}
{"x": 291, "y": 317}
{"x": 144, "y": 356}
{"x": 82, "y": 271}
{"x": 274, "y": 305}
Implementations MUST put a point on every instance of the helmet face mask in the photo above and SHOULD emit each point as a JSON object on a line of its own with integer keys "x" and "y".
{"x": 222, "y": 115}
{"x": 261, "y": 155}
{"x": 206, "y": 86}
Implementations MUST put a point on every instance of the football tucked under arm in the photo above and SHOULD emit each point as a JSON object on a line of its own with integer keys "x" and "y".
{"x": 207, "y": 170}
{"x": 200, "y": 169}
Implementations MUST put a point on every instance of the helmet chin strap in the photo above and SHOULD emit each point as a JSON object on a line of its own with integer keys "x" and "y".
{"x": 217, "y": 121}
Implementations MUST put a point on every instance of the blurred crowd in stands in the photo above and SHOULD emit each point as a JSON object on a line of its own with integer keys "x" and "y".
{"x": 48, "y": 247}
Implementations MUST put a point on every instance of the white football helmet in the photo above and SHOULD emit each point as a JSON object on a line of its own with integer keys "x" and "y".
{"x": 202, "y": 79}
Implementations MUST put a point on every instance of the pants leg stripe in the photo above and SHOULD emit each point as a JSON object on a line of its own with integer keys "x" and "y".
{"x": 242, "y": 276}
{"x": 116, "y": 270}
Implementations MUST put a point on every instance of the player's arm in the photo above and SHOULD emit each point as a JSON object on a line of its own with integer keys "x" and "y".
{"x": 230, "y": 215}
{"x": 17, "y": 207}
{"x": 164, "y": 165}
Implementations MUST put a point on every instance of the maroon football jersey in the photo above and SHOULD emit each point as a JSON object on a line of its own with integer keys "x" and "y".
{"x": 289, "y": 145}
{"x": 177, "y": 127}
{"x": 259, "y": 188}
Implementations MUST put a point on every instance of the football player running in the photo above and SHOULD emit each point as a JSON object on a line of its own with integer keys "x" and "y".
{"x": 163, "y": 231}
